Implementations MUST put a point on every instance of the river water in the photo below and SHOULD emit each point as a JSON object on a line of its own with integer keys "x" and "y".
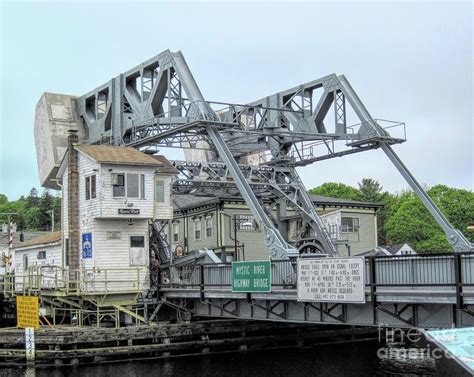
{"x": 347, "y": 359}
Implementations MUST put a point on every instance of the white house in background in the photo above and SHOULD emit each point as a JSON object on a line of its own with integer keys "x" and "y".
{"x": 120, "y": 189}
{"x": 400, "y": 249}
{"x": 392, "y": 250}
{"x": 41, "y": 253}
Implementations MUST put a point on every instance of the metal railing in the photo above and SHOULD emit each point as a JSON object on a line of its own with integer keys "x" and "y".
{"x": 441, "y": 270}
{"x": 283, "y": 274}
{"x": 76, "y": 281}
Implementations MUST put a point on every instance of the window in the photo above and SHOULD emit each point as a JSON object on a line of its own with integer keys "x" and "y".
{"x": 91, "y": 187}
{"x": 133, "y": 185}
{"x": 208, "y": 226}
{"x": 41, "y": 255}
{"x": 66, "y": 252}
{"x": 25, "y": 262}
{"x": 118, "y": 185}
{"x": 142, "y": 186}
{"x": 88, "y": 188}
{"x": 176, "y": 232}
{"x": 245, "y": 222}
{"x": 160, "y": 191}
{"x": 197, "y": 229}
{"x": 349, "y": 224}
{"x": 137, "y": 241}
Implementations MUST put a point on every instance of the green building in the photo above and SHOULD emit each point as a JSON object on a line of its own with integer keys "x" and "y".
{"x": 215, "y": 223}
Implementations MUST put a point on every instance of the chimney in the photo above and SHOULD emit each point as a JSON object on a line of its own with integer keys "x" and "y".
{"x": 73, "y": 205}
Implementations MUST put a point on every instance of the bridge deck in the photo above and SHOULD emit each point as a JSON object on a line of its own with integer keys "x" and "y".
{"x": 435, "y": 290}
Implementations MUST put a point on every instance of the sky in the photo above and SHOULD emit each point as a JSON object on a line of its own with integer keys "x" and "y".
{"x": 408, "y": 62}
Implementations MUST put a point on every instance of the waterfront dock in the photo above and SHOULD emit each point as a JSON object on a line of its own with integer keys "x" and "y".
{"x": 65, "y": 345}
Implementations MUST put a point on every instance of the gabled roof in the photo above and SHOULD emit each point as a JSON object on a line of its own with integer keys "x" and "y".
{"x": 121, "y": 155}
{"x": 326, "y": 200}
{"x": 167, "y": 165}
{"x": 44, "y": 239}
{"x": 187, "y": 201}
{"x": 394, "y": 249}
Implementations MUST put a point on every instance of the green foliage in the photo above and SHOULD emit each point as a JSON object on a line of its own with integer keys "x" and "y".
{"x": 32, "y": 211}
{"x": 370, "y": 190}
{"x": 411, "y": 222}
{"x": 336, "y": 190}
{"x": 404, "y": 218}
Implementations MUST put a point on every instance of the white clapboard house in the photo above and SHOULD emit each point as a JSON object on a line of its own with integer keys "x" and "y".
{"x": 113, "y": 192}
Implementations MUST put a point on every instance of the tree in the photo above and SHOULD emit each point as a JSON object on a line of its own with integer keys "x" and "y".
{"x": 32, "y": 199}
{"x": 3, "y": 199}
{"x": 46, "y": 204}
{"x": 32, "y": 219}
{"x": 336, "y": 190}
{"x": 412, "y": 223}
{"x": 370, "y": 190}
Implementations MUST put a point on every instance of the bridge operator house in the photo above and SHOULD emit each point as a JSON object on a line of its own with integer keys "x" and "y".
{"x": 109, "y": 194}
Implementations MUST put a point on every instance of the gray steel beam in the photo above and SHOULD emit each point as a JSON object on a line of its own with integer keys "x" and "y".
{"x": 455, "y": 238}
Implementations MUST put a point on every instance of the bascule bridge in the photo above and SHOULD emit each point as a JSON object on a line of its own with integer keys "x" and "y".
{"x": 252, "y": 150}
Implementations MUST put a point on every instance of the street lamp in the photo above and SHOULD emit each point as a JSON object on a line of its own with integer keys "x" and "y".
{"x": 243, "y": 222}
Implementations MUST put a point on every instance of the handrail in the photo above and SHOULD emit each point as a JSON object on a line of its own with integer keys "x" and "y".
{"x": 76, "y": 281}
{"x": 440, "y": 270}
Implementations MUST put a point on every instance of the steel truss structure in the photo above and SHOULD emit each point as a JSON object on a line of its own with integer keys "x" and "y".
{"x": 251, "y": 148}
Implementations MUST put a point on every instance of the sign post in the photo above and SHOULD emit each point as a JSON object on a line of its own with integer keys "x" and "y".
{"x": 251, "y": 276}
{"x": 30, "y": 345}
{"x": 331, "y": 280}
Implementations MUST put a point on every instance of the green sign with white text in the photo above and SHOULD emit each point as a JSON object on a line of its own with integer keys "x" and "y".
{"x": 251, "y": 276}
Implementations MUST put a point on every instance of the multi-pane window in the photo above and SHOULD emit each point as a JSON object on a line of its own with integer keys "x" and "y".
{"x": 197, "y": 229}
{"x": 208, "y": 226}
{"x": 91, "y": 187}
{"x": 175, "y": 232}
{"x": 349, "y": 224}
{"x": 118, "y": 185}
{"x": 133, "y": 186}
{"x": 130, "y": 185}
{"x": 159, "y": 191}
{"x": 41, "y": 255}
{"x": 245, "y": 222}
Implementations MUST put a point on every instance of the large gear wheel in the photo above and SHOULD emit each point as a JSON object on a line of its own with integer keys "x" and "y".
{"x": 309, "y": 246}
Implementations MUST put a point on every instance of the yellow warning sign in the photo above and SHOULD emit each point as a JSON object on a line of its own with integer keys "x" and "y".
{"x": 27, "y": 311}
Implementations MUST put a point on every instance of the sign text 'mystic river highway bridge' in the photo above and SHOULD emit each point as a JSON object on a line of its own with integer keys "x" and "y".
{"x": 252, "y": 150}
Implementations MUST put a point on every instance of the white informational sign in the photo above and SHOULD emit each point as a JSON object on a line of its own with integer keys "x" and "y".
{"x": 331, "y": 280}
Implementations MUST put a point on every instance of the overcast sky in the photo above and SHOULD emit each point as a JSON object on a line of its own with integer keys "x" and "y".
{"x": 410, "y": 62}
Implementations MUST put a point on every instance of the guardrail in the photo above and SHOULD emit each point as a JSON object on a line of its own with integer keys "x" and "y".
{"x": 426, "y": 270}
{"x": 76, "y": 281}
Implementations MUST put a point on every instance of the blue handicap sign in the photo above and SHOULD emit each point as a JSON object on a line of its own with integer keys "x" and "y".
{"x": 86, "y": 245}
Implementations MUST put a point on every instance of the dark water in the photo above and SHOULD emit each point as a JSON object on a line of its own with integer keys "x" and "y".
{"x": 349, "y": 359}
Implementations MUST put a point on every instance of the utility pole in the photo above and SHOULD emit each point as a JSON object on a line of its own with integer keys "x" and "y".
{"x": 10, "y": 234}
{"x": 51, "y": 213}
